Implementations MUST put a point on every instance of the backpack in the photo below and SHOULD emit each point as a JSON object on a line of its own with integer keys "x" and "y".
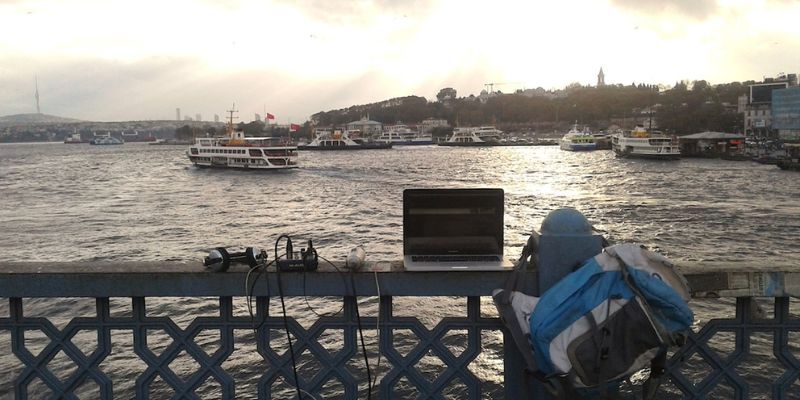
{"x": 613, "y": 316}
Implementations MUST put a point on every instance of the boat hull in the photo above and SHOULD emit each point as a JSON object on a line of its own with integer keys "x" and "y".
{"x": 578, "y": 146}
{"x": 367, "y": 146}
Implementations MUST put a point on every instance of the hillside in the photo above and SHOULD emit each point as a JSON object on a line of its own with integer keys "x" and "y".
{"x": 34, "y": 118}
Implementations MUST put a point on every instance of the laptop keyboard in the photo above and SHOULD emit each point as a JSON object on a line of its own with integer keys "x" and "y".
{"x": 454, "y": 258}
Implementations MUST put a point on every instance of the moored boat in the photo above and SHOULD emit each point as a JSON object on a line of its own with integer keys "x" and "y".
{"x": 106, "y": 139}
{"x": 338, "y": 139}
{"x": 402, "y": 135}
{"x": 74, "y": 138}
{"x": 577, "y": 140}
{"x": 640, "y": 143}
{"x": 474, "y": 136}
{"x": 234, "y": 150}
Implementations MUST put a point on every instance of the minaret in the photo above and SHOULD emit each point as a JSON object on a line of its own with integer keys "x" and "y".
{"x": 38, "y": 111}
{"x": 601, "y": 78}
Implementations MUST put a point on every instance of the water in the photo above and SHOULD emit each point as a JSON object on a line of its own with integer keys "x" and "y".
{"x": 140, "y": 202}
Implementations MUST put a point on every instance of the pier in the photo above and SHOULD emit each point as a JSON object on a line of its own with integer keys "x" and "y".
{"x": 137, "y": 282}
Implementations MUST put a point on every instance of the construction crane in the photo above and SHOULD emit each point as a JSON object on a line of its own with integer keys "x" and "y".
{"x": 490, "y": 86}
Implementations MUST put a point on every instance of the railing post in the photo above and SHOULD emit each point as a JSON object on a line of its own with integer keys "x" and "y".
{"x": 566, "y": 241}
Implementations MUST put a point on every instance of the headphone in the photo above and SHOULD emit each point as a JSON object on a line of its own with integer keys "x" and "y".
{"x": 219, "y": 259}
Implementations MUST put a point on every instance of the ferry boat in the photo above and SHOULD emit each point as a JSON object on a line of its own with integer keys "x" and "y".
{"x": 325, "y": 139}
{"x": 234, "y": 150}
{"x": 404, "y": 136}
{"x": 640, "y": 143}
{"x": 474, "y": 136}
{"x": 135, "y": 137}
{"x": 74, "y": 138}
{"x": 577, "y": 140}
{"x": 106, "y": 139}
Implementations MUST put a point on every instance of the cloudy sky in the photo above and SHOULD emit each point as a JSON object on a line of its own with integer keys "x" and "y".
{"x": 124, "y": 60}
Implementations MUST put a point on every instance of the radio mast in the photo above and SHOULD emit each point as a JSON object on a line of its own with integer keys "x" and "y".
{"x": 38, "y": 111}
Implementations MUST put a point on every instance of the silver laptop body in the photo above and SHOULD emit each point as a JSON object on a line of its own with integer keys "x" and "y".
{"x": 453, "y": 230}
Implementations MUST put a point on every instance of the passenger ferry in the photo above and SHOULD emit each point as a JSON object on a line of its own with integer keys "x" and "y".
{"x": 577, "y": 140}
{"x": 472, "y": 136}
{"x": 640, "y": 143}
{"x": 337, "y": 139}
{"x": 237, "y": 151}
{"x": 402, "y": 135}
{"x": 105, "y": 139}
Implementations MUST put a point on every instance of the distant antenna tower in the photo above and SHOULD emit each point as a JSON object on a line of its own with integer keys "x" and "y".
{"x": 38, "y": 111}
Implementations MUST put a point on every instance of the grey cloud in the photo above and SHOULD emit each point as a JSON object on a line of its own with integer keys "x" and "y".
{"x": 699, "y": 9}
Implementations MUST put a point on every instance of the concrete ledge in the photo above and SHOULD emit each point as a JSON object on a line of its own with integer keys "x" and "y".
{"x": 168, "y": 279}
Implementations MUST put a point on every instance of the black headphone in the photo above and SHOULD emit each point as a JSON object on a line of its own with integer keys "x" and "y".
{"x": 219, "y": 259}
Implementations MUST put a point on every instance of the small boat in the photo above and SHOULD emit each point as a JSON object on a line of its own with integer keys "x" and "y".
{"x": 474, "y": 136}
{"x": 640, "y": 143}
{"x": 577, "y": 140}
{"x": 402, "y": 135}
{"x": 337, "y": 139}
{"x": 236, "y": 151}
{"x": 106, "y": 139}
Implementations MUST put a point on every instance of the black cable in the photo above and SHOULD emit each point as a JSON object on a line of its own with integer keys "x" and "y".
{"x": 361, "y": 335}
{"x": 285, "y": 317}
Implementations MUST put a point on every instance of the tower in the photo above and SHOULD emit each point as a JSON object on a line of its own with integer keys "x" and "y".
{"x": 601, "y": 78}
{"x": 36, "y": 95}
{"x": 177, "y": 114}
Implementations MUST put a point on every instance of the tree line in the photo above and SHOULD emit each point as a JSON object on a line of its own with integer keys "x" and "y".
{"x": 687, "y": 107}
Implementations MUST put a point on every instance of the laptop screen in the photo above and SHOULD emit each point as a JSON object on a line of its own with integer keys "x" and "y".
{"x": 452, "y": 221}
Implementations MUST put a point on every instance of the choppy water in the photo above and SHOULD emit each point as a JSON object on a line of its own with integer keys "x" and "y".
{"x": 139, "y": 202}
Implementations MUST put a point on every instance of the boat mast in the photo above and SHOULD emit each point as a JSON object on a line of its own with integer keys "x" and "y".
{"x": 230, "y": 120}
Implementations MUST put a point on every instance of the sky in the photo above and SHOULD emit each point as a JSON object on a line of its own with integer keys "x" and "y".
{"x": 107, "y": 60}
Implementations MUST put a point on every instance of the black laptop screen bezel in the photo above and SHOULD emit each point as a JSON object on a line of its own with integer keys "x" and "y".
{"x": 496, "y": 197}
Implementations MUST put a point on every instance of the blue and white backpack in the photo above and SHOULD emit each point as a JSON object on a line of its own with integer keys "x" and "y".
{"x": 613, "y": 316}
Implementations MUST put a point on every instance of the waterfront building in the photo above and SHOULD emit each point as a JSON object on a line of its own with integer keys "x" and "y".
{"x": 757, "y": 106}
{"x": 711, "y": 144}
{"x": 786, "y": 113}
{"x": 430, "y": 123}
{"x": 198, "y": 117}
{"x": 366, "y": 126}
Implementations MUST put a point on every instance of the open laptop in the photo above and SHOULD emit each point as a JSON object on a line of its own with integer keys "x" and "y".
{"x": 453, "y": 229}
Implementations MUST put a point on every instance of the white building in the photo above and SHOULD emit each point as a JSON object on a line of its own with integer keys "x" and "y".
{"x": 430, "y": 123}
{"x": 366, "y": 126}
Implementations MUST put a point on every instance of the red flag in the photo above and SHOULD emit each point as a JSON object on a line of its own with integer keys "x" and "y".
{"x": 270, "y": 116}
{"x": 294, "y": 127}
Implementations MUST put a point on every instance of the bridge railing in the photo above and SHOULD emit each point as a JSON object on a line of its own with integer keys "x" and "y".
{"x": 127, "y": 345}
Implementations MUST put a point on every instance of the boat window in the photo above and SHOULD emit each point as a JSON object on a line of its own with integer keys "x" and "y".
{"x": 256, "y": 153}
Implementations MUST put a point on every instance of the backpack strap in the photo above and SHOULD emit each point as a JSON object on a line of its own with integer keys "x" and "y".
{"x": 528, "y": 257}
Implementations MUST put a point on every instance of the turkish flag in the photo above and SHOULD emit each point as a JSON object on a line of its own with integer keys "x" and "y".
{"x": 270, "y": 116}
{"x": 294, "y": 127}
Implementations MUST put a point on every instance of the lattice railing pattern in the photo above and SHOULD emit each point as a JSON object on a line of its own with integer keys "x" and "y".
{"x": 724, "y": 376}
{"x": 721, "y": 348}
{"x": 333, "y": 368}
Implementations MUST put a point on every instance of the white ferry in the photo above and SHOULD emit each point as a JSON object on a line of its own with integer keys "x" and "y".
{"x": 237, "y": 151}
{"x": 326, "y": 139}
{"x": 577, "y": 140}
{"x": 402, "y": 135}
{"x": 640, "y": 143}
{"x": 105, "y": 139}
{"x": 472, "y": 136}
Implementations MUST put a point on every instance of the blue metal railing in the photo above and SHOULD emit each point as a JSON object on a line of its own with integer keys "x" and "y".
{"x": 417, "y": 361}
